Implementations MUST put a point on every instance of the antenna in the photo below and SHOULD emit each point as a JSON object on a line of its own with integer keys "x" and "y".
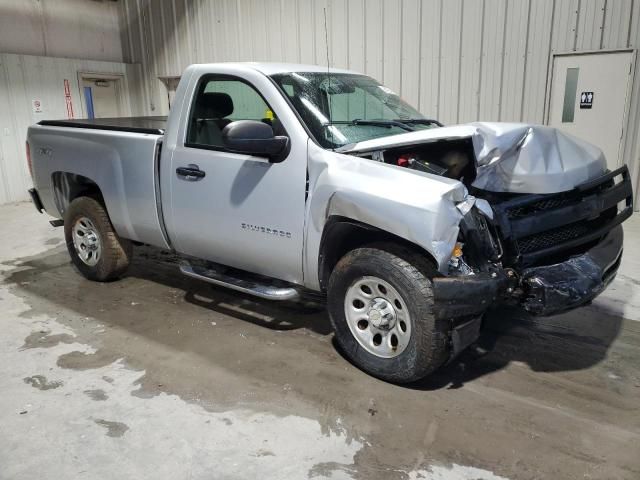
{"x": 326, "y": 43}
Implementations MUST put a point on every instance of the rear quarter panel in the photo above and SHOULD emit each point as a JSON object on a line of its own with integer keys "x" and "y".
{"x": 122, "y": 164}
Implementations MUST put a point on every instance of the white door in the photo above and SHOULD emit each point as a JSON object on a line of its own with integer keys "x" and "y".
{"x": 101, "y": 98}
{"x": 589, "y": 94}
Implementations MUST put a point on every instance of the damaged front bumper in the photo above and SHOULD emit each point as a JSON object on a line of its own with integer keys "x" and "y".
{"x": 543, "y": 290}
{"x": 557, "y": 288}
{"x": 534, "y": 231}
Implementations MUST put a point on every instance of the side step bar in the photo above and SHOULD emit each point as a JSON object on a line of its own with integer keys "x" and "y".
{"x": 251, "y": 287}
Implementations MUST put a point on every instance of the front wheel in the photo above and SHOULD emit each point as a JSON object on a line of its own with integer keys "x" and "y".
{"x": 381, "y": 307}
{"x": 95, "y": 248}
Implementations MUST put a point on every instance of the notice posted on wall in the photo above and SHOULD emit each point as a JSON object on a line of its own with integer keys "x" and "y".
{"x": 67, "y": 99}
{"x": 36, "y": 105}
{"x": 586, "y": 100}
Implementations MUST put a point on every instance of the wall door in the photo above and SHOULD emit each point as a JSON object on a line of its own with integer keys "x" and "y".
{"x": 589, "y": 95}
{"x": 101, "y": 97}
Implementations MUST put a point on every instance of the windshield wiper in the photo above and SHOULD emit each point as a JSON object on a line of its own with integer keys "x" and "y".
{"x": 419, "y": 121}
{"x": 377, "y": 123}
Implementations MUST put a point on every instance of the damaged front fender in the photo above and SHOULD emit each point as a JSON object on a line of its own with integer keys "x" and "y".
{"x": 418, "y": 207}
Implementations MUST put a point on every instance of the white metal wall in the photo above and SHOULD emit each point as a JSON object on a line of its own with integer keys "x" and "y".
{"x": 25, "y": 78}
{"x": 61, "y": 28}
{"x": 457, "y": 60}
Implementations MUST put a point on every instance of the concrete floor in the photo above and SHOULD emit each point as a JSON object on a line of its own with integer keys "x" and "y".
{"x": 159, "y": 376}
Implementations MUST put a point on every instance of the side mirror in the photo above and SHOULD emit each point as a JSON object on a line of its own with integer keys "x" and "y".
{"x": 255, "y": 138}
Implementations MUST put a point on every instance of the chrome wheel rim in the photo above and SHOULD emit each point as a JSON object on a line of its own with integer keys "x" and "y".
{"x": 86, "y": 241}
{"x": 378, "y": 317}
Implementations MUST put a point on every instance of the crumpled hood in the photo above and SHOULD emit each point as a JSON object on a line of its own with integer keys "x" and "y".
{"x": 520, "y": 158}
{"x": 513, "y": 157}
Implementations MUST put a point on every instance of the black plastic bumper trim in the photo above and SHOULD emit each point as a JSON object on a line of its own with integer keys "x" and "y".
{"x": 35, "y": 198}
{"x": 557, "y": 288}
{"x": 461, "y": 296}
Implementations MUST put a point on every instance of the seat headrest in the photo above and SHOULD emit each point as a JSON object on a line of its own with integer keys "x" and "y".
{"x": 213, "y": 105}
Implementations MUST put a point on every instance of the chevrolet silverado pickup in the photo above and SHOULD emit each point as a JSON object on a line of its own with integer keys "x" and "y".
{"x": 282, "y": 180}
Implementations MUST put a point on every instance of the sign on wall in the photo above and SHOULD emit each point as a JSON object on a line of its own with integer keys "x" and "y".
{"x": 36, "y": 105}
{"x": 67, "y": 99}
{"x": 586, "y": 99}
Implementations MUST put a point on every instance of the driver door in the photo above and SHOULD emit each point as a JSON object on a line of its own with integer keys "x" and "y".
{"x": 235, "y": 209}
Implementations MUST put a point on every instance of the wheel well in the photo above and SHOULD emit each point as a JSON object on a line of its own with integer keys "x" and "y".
{"x": 341, "y": 235}
{"x": 69, "y": 186}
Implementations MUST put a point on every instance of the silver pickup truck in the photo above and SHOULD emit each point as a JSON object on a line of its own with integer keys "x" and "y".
{"x": 280, "y": 180}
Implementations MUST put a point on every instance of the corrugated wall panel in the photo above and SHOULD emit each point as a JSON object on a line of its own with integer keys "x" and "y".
{"x": 617, "y": 23}
{"x": 62, "y": 28}
{"x": 590, "y": 25}
{"x": 410, "y": 61}
{"x": 632, "y": 142}
{"x": 470, "y": 61}
{"x": 515, "y": 53}
{"x": 289, "y": 31}
{"x": 356, "y": 46}
{"x": 15, "y": 121}
{"x": 450, "y": 38}
{"x": 25, "y": 78}
{"x": 374, "y": 21}
{"x": 430, "y": 58}
{"x": 273, "y": 27}
{"x": 392, "y": 44}
{"x": 538, "y": 51}
{"x": 307, "y": 40}
{"x": 338, "y": 24}
{"x": 180, "y": 37}
{"x": 564, "y": 25}
{"x": 492, "y": 59}
{"x": 458, "y": 60}
{"x": 322, "y": 37}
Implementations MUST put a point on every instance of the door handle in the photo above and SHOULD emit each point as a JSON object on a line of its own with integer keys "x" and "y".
{"x": 191, "y": 173}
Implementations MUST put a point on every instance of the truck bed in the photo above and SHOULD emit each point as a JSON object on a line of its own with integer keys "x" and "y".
{"x": 118, "y": 155}
{"x": 153, "y": 125}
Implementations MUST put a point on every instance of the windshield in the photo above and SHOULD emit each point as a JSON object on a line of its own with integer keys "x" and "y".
{"x": 342, "y": 108}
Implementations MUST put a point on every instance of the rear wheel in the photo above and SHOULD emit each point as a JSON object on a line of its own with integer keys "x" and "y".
{"x": 95, "y": 248}
{"x": 381, "y": 306}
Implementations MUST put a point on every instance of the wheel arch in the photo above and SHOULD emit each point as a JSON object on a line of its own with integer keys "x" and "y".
{"x": 342, "y": 235}
{"x": 68, "y": 186}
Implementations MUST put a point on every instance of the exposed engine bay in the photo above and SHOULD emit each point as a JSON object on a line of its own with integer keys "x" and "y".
{"x": 451, "y": 158}
{"x": 495, "y": 157}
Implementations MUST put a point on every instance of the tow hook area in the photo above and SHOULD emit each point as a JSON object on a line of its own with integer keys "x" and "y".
{"x": 469, "y": 295}
{"x": 463, "y": 335}
{"x": 463, "y": 299}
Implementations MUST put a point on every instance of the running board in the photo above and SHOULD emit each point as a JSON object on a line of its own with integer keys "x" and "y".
{"x": 241, "y": 285}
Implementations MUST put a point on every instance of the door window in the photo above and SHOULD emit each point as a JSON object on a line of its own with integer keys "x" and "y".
{"x": 570, "y": 90}
{"x": 220, "y": 101}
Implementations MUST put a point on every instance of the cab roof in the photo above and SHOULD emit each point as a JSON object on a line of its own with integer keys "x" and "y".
{"x": 269, "y": 68}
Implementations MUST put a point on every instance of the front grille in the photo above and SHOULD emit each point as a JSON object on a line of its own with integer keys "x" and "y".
{"x": 541, "y": 206}
{"x": 550, "y": 238}
{"x": 537, "y": 228}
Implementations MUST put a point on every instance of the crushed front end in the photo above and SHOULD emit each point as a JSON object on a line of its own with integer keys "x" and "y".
{"x": 547, "y": 253}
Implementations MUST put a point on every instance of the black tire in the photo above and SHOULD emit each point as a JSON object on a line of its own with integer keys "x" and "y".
{"x": 116, "y": 252}
{"x": 408, "y": 273}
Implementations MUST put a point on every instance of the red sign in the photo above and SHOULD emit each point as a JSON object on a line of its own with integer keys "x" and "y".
{"x": 67, "y": 97}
